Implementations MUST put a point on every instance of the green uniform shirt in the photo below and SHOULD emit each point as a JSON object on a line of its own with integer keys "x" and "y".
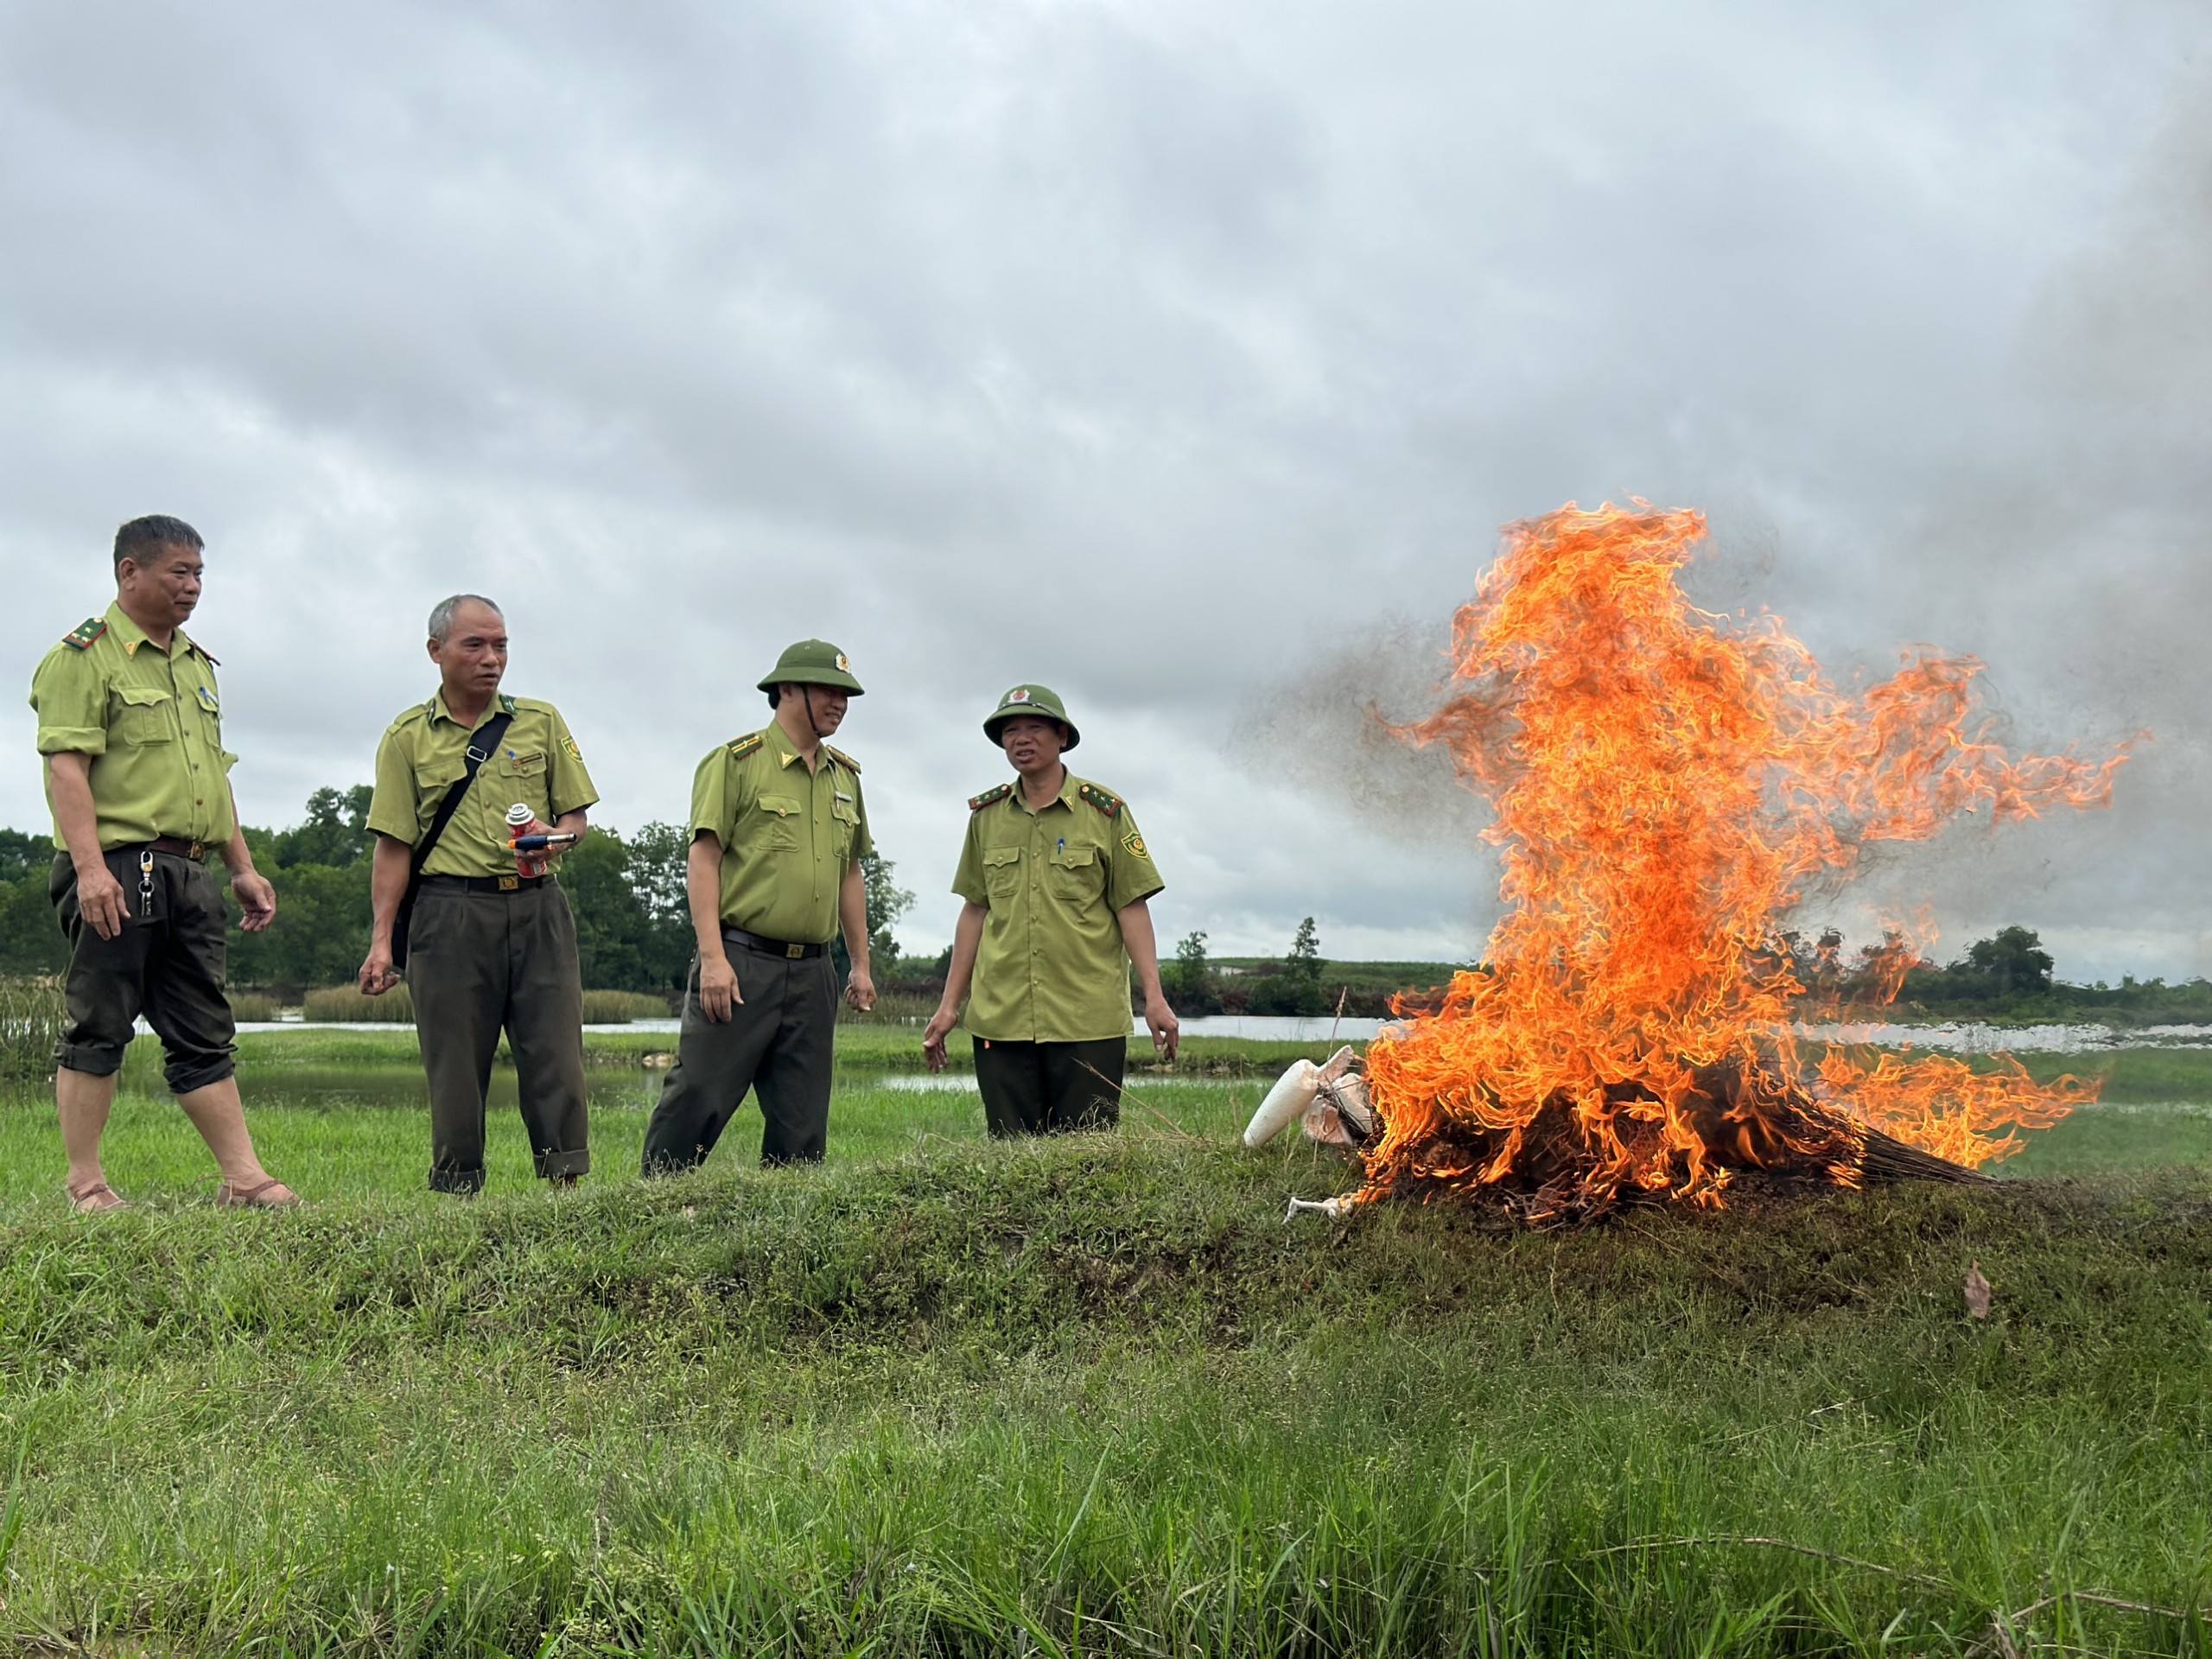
{"x": 1052, "y": 967}
{"x": 788, "y": 835}
{"x": 153, "y": 725}
{"x": 421, "y": 757}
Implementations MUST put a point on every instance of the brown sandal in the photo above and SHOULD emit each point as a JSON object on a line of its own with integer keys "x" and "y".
{"x": 88, "y": 1200}
{"x": 256, "y": 1197}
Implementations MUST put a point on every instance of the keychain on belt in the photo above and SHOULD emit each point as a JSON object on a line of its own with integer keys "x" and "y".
{"x": 146, "y": 883}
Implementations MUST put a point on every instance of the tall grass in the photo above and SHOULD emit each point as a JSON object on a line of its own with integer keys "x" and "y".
{"x": 620, "y": 1007}
{"x": 343, "y": 1004}
{"x": 32, "y": 1014}
{"x": 256, "y": 1007}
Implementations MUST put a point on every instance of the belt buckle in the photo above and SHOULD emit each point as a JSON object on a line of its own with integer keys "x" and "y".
{"x": 793, "y": 952}
{"x": 509, "y": 883}
{"x": 199, "y": 851}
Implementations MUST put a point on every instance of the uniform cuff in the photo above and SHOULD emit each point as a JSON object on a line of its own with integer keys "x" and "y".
{"x": 73, "y": 740}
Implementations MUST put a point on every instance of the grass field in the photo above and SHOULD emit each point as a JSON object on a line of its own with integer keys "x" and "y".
{"x": 944, "y": 1397}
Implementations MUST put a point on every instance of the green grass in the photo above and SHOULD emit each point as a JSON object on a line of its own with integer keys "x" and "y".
{"x": 942, "y": 1396}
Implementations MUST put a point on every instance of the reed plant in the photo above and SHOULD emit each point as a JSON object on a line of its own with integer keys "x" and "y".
{"x": 345, "y": 1005}
{"x": 256, "y": 1007}
{"x": 32, "y": 1014}
{"x": 620, "y": 1007}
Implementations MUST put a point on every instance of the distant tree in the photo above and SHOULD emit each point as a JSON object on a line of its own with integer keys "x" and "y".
{"x": 2012, "y": 961}
{"x": 30, "y": 937}
{"x": 655, "y": 870}
{"x": 1303, "y": 965}
{"x": 1190, "y": 981}
{"x": 886, "y": 903}
{"x": 1294, "y": 987}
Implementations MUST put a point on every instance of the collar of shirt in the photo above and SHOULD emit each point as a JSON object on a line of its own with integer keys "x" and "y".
{"x": 131, "y": 636}
{"x": 786, "y": 752}
{"x": 1067, "y": 797}
{"x": 439, "y": 711}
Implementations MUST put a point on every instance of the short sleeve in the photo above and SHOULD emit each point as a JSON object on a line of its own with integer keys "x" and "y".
{"x": 863, "y": 842}
{"x": 569, "y": 786}
{"x": 71, "y": 698}
{"x": 1133, "y": 876}
{"x": 395, "y": 806}
{"x": 968, "y": 878}
{"x": 714, "y": 797}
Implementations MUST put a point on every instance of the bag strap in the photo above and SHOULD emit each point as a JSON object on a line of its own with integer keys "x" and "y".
{"x": 482, "y": 742}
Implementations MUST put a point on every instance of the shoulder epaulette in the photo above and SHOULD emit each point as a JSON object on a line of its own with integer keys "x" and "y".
{"x": 194, "y": 646}
{"x": 1104, "y": 800}
{"x": 843, "y": 759}
{"x": 80, "y": 638}
{"x": 746, "y": 746}
{"x": 508, "y": 705}
{"x": 996, "y": 792}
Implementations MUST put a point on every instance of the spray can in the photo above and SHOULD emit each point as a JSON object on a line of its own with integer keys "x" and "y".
{"x": 521, "y": 821}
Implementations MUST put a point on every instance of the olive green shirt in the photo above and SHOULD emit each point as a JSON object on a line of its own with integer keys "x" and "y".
{"x": 1051, "y": 967}
{"x": 421, "y": 756}
{"x": 153, "y": 725}
{"x": 788, "y": 835}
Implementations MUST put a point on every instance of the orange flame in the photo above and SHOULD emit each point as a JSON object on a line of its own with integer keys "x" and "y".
{"x": 1667, "y": 782}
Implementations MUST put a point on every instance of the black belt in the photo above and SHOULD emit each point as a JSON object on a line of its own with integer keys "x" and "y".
{"x": 484, "y": 883}
{"x": 772, "y": 947}
{"x": 175, "y": 846}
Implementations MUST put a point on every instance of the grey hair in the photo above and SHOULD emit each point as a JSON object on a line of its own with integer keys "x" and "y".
{"x": 441, "y": 613}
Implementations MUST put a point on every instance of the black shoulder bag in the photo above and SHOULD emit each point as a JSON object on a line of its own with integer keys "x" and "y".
{"x": 481, "y": 743}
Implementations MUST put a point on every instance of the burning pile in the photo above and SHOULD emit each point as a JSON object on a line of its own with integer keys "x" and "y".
{"x": 1667, "y": 783}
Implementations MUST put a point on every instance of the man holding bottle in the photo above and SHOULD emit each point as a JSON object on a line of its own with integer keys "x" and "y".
{"x": 486, "y": 945}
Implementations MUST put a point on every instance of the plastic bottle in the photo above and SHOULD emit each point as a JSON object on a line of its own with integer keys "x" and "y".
{"x": 521, "y": 821}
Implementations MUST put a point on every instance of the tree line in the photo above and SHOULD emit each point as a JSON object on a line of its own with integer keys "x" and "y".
{"x": 633, "y": 926}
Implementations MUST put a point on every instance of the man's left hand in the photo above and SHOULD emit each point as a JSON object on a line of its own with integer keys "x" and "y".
{"x": 859, "y": 991}
{"x": 258, "y": 898}
{"x": 1166, "y": 1029}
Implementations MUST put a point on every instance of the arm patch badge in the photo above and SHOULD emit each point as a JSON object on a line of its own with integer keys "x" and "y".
{"x": 1135, "y": 843}
{"x": 574, "y": 754}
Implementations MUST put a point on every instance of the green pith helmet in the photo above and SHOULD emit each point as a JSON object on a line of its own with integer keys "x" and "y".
{"x": 812, "y": 662}
{"x": 1040, "y": 701}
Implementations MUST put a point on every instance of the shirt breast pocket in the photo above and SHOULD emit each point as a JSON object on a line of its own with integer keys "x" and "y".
{"x": 1001, "y": 871}
{"x": 142, "y": 716}
{"x": 775, "y": 823}
{"x": 522, "y": 779}
{"x": 1078, "y": 873}
{"x": 845, "y": 818}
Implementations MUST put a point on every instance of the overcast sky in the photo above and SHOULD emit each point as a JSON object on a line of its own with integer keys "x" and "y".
{"x": 1186, "y": 357}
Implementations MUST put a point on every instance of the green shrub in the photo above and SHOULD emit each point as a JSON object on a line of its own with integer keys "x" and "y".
{"x": 620, "y": 1007}
{"x": 31, "y": 1017}
{"x": 251, "y": 1007}
{"x": 345, "y": 1004}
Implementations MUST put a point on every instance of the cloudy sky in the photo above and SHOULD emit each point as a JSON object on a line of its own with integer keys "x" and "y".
{"x": 1183, "y": 356}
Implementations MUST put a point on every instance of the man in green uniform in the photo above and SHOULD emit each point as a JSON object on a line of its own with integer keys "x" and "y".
{"x": 779, "y": 830}
{"x": 487, "y": 947}
{"x": 1056, "y": 874}
{"x": 139, "y": 780}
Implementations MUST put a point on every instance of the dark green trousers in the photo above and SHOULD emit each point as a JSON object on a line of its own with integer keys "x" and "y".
{"x": 1050, "y": 1088}
{"x": 479, "y": 963}
{"x": 168, "y": 964}
{"x": 779, "y": 1043}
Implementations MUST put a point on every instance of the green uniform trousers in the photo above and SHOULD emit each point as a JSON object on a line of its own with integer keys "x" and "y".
{"x": 780, "y": 1042}
{"x": 168, "y": 964}
{"x": 479, "y": 962}
{"x": 1050, "y": 1088}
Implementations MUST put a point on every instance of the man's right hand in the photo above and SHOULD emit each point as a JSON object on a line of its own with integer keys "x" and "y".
{"x": 378, "y": 975}
{"x": 100, "y": 900}
{"x": 718, "y": 991}
{"x": 933, "y": 1035}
